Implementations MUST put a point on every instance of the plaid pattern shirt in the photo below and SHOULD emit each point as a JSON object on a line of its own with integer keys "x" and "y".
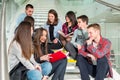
{"x": 103, "y": 49}
{"x": 65, "y": 28}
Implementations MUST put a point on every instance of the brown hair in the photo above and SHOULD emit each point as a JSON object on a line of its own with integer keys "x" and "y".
{"x": 30, "y": 19}
{"x": 29, "y": 6}
{"x": 23, "y": 37}
{"x": 52, "y": 11}
{"x": 71, "y": 15}
{"x": 36, "y": 41}
{"x": 95, "y": 26}
{"x": 84, "y": 18}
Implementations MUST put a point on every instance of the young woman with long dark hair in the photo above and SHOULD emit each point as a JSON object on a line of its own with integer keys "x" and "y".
{"x": 21, "y": 53}
{"x": 40, "y": 41}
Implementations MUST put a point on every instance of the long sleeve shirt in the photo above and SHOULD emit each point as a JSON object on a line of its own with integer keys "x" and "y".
{"x": 43, "y": 53}
{"x": 15, "y": 56}
{"x": 103, "y": 49}
{"x": 65, "y": 28}
{"x": 57, "y": 28}
{"x": 20, "y": 18}
{"x": 79, "y": 37}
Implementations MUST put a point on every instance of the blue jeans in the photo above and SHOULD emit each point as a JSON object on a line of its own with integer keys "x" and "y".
{"x": 34, "y": 75}
{"x": 58, "y": 69}
{"x": 46, "y": 68}
{"x": 98, "y": 71}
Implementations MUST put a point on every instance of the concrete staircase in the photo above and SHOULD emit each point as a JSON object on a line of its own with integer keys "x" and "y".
{"x": 41, "y": 8}
{"x": 41, "y": 11}
{"x": 40, "y": 15}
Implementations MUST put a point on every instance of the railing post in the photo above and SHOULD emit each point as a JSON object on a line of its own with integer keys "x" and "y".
{"x": 3, "y": 52}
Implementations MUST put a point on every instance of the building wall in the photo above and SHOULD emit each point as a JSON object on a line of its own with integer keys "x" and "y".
{"x": 112, "y": 32}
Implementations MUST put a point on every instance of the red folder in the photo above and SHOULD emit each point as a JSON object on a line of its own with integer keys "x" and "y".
{"x": 57, "y": 56}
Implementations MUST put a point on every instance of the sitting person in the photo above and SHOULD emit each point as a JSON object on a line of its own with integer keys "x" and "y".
{"x": 79, "y": 36}
{"x": 94, "y": 56}
{"x": 29, "y": 9}
{"x": 20, "y": 54}
{"x": 68, "y": 27}
{"x": 53, "y": 25}
{"x": 28, "y": 19}
{"x": 41, "y": 53}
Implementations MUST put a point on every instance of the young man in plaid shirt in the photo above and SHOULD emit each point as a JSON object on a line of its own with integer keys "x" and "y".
{"x": 94, "y": 57}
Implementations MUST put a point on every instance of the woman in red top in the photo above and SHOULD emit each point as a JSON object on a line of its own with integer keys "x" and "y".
{"x": 68, "y": 27}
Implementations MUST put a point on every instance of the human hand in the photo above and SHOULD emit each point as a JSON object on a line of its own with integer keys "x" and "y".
{"x": 69, "y": 35}
{"x": 91, "y": 56}
{"x": 55, "y": 40}
{"x": 45, "y": 57}
{"x": 78, "y": 47}
{"x": 49, "y": 56}
{"x": 89, "y": 41}
{"x": 38, "y": 67}
{"x": 68, "y": 39}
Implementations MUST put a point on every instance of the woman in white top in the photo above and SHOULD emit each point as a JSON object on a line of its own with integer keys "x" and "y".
{"x": 20, "y": 52}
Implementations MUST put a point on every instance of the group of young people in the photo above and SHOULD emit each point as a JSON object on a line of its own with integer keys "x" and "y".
{"x": 29, "y": 52}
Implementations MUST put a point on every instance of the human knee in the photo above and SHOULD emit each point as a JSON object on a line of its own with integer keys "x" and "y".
{"x": 64, "y": 61}
{"x": 46, "y": 68}
{"x": 103, "y": 61}
{"x": 80, "y": 58}
{"x": 34, "y": 75}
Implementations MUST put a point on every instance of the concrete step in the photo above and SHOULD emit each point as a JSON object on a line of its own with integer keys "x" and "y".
{"x": 40, "y": 14}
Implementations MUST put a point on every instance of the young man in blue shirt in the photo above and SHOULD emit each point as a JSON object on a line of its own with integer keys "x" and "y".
{"x": 28, "y": 12}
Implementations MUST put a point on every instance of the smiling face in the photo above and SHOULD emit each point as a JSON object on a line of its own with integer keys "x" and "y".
{"x": 43, "y": 38}
{"x": 93, "y": 33}
{"x": 51, "y": 17}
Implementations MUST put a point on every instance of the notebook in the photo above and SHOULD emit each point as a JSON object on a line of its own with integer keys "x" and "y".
{"x": 57, "y": 56}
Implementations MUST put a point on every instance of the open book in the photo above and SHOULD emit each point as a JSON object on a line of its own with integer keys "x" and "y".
{"x": 68, "y": 35}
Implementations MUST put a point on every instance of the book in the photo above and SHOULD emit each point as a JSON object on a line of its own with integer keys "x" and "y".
{"x": 57, "y": 56}
{"x": 68, "y": 35}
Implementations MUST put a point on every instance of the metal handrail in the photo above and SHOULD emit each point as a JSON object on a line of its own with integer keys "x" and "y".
{"x": 3, "y": 52}
{"x": 108, "y": 4}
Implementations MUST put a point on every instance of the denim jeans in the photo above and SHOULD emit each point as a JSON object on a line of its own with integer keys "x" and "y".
{"x": 46, "y": 68}
{"x": 34, "y": 75}
{"x": 58, "y": 69}
{"x": 71, "y": 49}
{"x": 98, "y": 71}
